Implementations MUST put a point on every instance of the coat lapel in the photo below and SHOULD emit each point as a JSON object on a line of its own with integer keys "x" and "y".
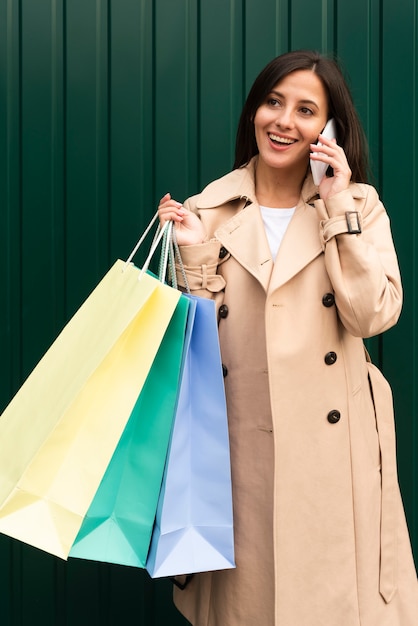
{"x": 244, "y": 236}
{"x": 237, "y": 223}
{"x": 301, "y": 244}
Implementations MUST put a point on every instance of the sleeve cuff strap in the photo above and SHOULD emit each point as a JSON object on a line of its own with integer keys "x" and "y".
{"x": 350, "y": 223}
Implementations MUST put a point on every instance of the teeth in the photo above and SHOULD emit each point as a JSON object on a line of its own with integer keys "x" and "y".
{"x": 281, "y": 139}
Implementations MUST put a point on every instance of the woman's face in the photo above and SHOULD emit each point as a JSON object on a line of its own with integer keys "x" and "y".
{"x": 289, "y": 120}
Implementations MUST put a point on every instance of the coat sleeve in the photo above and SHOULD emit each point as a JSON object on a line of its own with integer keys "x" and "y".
{"x": 363, "y": 267}
{"x": 200, "y": 264}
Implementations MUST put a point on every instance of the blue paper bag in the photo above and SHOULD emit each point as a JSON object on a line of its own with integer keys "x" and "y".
{"x": 193, "y": 531}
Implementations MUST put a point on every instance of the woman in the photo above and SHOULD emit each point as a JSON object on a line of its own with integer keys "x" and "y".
{"x": 301, "y": 274}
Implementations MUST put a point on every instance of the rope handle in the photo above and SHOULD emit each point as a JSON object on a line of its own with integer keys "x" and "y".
{"x": 170, "y": 244}
{"x": 170, "y": 252}
{"x": 159, "y": 235}
{"x": 139, "y": 243}
{"x": 180, "y": 260}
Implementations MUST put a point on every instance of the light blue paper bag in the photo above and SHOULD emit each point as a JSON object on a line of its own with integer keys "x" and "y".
{"x": 193, "y": 531}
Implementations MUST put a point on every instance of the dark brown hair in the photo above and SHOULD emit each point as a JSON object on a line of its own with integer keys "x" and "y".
{"x": 340, "y": 104}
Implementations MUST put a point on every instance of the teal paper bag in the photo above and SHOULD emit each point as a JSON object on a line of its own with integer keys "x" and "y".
{"x": 118, "y": 525}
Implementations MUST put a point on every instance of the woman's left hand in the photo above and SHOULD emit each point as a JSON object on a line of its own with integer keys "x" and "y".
{"x": 332, "y": 154}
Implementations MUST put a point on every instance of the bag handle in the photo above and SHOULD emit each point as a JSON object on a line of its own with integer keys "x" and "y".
{"x": 169, "y": 253}
{"x": 145, "y": 233}
{"x": 172, "y": 249}
{"x": 159, "y": 235}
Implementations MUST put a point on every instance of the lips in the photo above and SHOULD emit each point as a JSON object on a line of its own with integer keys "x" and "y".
{"x": 281, "y": 141}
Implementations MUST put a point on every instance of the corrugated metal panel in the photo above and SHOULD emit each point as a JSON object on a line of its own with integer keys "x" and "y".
{"x": 107, "y": 104}
{"x": 399, "y": 178}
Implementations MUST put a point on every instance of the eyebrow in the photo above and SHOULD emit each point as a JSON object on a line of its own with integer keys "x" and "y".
{"x": 304, "y": 101}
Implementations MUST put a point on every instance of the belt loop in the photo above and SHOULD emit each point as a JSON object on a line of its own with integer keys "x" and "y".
{"x": 204, "y": 276}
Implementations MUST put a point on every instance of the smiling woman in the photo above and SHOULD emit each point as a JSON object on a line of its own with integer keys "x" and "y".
{"x": 285, "y": 126}
{"x": 301, "y": 274}
{"x": 105, "y": 104}
{"x": 339, "y": 106}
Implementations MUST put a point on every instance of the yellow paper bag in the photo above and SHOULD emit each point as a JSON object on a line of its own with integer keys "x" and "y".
{"x": 59, "y": 432}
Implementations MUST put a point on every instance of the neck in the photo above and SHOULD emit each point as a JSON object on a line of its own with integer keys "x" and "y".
{"x": 278, "y": 188}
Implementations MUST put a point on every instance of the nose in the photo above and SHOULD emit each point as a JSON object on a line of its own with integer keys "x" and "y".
{"x": 285, "y": 118}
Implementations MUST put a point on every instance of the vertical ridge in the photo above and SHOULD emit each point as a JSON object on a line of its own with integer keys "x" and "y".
{"x": 14, "y": 187}
{"x": 415, "y": 278}
{"x": 198, "y": 94}
{"x": 102, "y": 134}
{"x": 57, "y": 164}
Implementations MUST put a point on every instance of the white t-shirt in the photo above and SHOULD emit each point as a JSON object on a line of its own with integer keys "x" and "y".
{"x": 276, "y": 222}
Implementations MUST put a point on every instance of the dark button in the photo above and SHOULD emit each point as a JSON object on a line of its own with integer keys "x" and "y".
{"x": 328, "y": 299}
{"x": 223, "y": 310}
{"x": 223, "y": 252}
{"x": 224, "y": 370}
{"x": 182, "y": 581}
{"x": 330, "y": 358}
{"x": 334, "y": 416}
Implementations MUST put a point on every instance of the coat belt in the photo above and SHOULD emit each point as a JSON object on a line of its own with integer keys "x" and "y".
{"x": 383, "y": 403}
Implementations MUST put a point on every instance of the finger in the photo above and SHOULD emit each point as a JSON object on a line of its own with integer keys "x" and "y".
{"x": 320, "y": 156}
{"x": 330, "y": 148}
{"x": 327, "y": 141}
{"x": 333, "y": 155}
{"x": 172, "y": 211}
{"x": 168, "y": 201}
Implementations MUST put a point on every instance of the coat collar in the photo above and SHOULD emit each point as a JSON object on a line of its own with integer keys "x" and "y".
{"x": 243, "y": 234}
{"x": 240, "y": 183}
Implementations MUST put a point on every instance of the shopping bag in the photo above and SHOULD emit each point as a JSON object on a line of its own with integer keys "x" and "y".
{"x": 193, "y": 531}
{"x": 59, "y": 432}
{"x": 118, "y": 524}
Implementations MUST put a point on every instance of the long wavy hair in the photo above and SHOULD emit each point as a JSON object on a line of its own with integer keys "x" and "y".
{"x": 340, "y": 104}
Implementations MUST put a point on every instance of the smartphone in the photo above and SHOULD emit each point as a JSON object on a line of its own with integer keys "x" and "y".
{"x": 318, "y": 168}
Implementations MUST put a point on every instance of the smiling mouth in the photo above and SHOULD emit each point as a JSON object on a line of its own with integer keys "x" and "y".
{"x": 281, "y": 141}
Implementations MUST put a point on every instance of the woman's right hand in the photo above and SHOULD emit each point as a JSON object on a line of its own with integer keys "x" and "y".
{"x": 189, "y": 228}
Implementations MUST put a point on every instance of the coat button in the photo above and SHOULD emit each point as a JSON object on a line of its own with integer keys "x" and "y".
{"x": 334, "y": 416}
{"x": 223, "y": 252}
{"x": 328, "y": 299}
{"x": 223, "y": 310}
{"x": 224, "y": 370}
{"x": 330, "y": 358}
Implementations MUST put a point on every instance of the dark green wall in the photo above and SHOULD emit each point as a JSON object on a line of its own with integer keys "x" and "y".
{"x": 104, "y": 106}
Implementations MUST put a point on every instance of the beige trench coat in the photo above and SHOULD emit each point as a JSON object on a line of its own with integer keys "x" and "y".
{"x": 320, "y": 532}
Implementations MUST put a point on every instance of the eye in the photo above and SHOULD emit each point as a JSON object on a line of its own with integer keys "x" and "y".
{"x": 274, "y": 102}
{"x": 306, "y": 111}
